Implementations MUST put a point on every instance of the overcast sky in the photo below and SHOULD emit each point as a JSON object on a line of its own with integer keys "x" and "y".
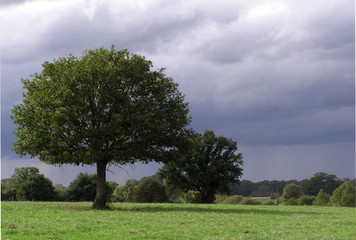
{"x": 277, "y": 76}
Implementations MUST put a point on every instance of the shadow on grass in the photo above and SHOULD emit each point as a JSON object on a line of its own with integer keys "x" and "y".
{"x": 271, "y": 210}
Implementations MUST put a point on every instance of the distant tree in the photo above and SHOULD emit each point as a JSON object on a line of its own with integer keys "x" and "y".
{"x": 320, "y": 180}
{"x": 321, "y": 199}
{"x": 149, "y": 190}
{"x": 210, "y": 166}
{"x": 8, "y": 191}
{"x": 36, "y": 187}
{"x": 244, "y": 188}
{"x": 105, "y": 107}
{"x": 344, "y": 195}
{"x": 247, "y": 188}
{"x": 83, "y": 188}
{"x": 306, "y": 200}
{"x": 124, "y": 193}
{"x": 291, "y": 191}
{"x": 11, "y": 186}
{"x": 21, "y": 174}
{"x": 262, "y": 191}
{"x": 61, "y": 193}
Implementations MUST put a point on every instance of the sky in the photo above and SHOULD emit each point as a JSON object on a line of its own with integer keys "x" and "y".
{"x": 276, "y": 76}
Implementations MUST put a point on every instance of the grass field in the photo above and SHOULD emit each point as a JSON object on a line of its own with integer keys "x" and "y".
{"x": 55, "y": 220}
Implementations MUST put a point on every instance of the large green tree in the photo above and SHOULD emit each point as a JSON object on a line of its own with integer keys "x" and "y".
{"x": 104, "y": 107}
{"x": 211, "y": 165}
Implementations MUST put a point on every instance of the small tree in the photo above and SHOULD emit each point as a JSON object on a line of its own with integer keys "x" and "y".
{"x": 321, "y": 199}
{"x": 210, "y": 165}
{"x": 190, "y": 196}
{"x": 149, "y": 190}
{"x": 61, "y": 193}
{"x": 21, "y": 174}
{"x": 124, "y": 193}
{"x": 83, "y": 188}
{"x": 36, "y": 188}
{"x": 344, "y": 195}
{"x": 291, "y": 191}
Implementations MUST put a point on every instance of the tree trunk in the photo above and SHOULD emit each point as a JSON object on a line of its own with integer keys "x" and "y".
{"x": 100, "y": 197}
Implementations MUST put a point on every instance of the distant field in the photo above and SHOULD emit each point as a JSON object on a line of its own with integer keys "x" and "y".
{"x": 39, "y": 220}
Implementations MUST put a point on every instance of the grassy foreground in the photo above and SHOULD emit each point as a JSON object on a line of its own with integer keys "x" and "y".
{"x": 56, "y": 220}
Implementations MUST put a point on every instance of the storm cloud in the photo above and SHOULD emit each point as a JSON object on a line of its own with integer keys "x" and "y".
{"x": 276, "y": 76}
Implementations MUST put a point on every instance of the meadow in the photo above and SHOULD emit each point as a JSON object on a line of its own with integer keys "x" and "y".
{"x": 60, "y": 220}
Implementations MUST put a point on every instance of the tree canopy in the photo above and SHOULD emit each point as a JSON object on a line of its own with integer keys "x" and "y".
{"x": 105, "y": 107}
{"x": 320, "y": 180}
{"x": 36, "y": 188}
{"x": 291, "y": 191}
{"x": 149, "y": 190}
{"x": 210, "y": 165}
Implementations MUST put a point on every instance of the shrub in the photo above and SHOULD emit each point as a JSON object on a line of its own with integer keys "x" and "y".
{"x": 124, "y": 193}
{"x": 321, "y": 199}
{"x": 275, "y": 195}
{"x": 269, "y": 202}
{"x": 291, "y": 191}
{"x": 149, "y": 190}
{"x": 61, "y": 195}
{"x": 249, "y": 201}
{"x": 191, "y": 197}
{"x": 235, "y": 199}
{"x": 344, "y": 195}
{"x": 291, "y": 202}
{"x": 306, "y": 200}
{"x": 220, "y": 198}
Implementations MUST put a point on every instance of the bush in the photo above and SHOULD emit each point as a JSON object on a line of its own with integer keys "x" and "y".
{"x": 291, "y": 191}
{"x": 291, "y": 202}
{"x": 321, "y": 199}
{"x": 235, "y": 199}
{"x": 83, "y": 188}
{"x": 124, "y": 193}
{"x": 220, "y": 198}
{"x": 61, "y": 194}
{"x": 344, "y": 195}
{"x": 269, "y": 202}
{"x": 149, "y": 190}
{"x": 249, "y": 201}
{"x": 36, "y": 188}
{"x": 275, "y": 195}
{"x": 306, "y": 200}
{"x": 191, "y": 197}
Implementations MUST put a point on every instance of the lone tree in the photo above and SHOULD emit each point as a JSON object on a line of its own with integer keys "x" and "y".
{"x": 291, "y": 191}
{"x": 105, "y": 107}
{"x": 211, "y": 165}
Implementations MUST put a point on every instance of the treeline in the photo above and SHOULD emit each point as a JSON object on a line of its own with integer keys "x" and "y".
{"x": 27, "y": 184}
{"x": 274, "y": 189}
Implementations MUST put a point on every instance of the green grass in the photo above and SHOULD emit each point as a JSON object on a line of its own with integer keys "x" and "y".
{"x": 38, "y": 220}
{"x": 264, "y": 199}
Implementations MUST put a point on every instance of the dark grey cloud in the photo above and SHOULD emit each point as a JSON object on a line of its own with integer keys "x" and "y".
{"x": 271, "y": 75}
